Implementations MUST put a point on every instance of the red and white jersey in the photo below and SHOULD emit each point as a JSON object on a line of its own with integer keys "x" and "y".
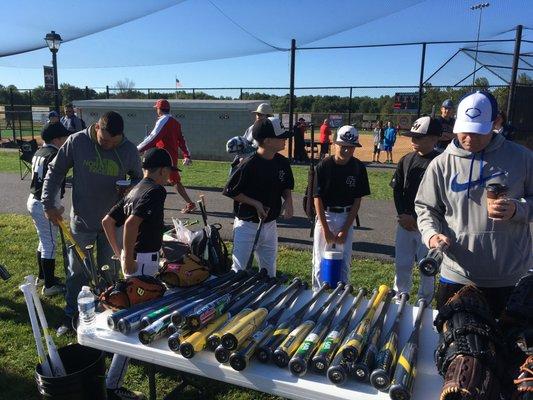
{"x": 166, "y": 135}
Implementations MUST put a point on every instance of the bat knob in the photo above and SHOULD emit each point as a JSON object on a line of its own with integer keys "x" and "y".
{"x": 237, "y": 362}
{"x": 398, "y": 392}
{"x": 380, "y": 379}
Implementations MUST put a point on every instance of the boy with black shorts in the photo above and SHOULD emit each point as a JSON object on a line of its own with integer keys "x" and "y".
{"x": 53, "y": 135}
{"x": 424, "y": 135}
{"x": 341, "y": 181}
{"x": 141, "y": 212}
{"x": 258, "y": 186}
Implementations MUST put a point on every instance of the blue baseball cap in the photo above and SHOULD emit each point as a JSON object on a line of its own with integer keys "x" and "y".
{"x": 53, "y": 114}
{"x": 476, "y": 113}
{"x": 448, "y": 103}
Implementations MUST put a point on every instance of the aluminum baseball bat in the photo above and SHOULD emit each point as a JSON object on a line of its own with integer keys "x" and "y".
{"x": 404, "y": 375}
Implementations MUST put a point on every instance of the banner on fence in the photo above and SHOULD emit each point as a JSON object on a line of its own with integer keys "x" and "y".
{"x": 335, "y": 120}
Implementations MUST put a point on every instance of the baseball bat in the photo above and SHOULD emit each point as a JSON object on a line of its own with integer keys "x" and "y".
{"x": 356, "y": 340}
{"x": 405, "y": 373}
{"x": 240, "y": 359}
{"x": 198, "y": 340}
{"x": 240, "y": 332}
{"x": 250, "y": 261}
{"x": 300, "y": 359}
{"x": 288, "y": 347}
{"x": 386, "y": 358}
{"x": 177, "y": 337}
{"x": 364, "y": 365}
{"x": 323, "y": 356}
{"x": 236, "y": 315}
{"x": 179, "y": 315}
{"x": 266, "y": 350}
{"x": 338, "y": 369}
{"x": 132, "y": 321}
{"x": 78, "y": 252}
{"x": 45, "y": 364}
{"x": 55, "y": 360}
{"x": 430, "y": 264}
{"x": 113, "y": 319}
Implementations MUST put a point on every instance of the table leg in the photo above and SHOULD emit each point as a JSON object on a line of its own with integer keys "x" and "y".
{"x": 151, "y": 382}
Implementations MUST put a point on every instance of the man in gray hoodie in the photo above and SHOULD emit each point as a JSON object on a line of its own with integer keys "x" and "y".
{"x": 451, "y": 204}
{"x": 99, "y": 156}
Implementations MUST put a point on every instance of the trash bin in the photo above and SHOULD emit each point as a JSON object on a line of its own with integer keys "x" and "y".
{"x": 85, "y": 379}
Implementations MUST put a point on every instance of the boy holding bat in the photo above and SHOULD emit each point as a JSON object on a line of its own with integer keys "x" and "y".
{"x": 341, "y": 181}
{"x": 141, "y": 212}
{"x": 261, "y": 182}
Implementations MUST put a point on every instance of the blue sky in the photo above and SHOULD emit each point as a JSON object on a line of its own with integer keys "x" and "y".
{"x": 202, "y": 29}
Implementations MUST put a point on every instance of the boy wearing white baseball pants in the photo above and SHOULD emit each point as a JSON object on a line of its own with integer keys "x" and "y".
{"x": 340, "y": 182}
{"x": 424, "y": 135}
{"x": 257, "y": 187}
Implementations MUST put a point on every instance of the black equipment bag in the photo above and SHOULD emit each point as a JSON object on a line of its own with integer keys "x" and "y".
{"x": 209, "y": 247}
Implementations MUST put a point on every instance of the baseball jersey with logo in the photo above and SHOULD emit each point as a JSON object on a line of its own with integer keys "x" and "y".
{"x": 146, "y": 200}
{"x": 263, "y": 180}
{"x": 39, "y": 168}
{"x": 339, "y": 185}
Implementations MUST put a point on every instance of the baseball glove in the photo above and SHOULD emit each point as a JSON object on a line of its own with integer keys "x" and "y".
{"x": 132, "y": 291}
{"x": 469, "y": 379}
{"x": 188, "y": 272}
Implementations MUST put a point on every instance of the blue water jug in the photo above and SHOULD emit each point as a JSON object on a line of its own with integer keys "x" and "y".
{"x": 331, "y": 266}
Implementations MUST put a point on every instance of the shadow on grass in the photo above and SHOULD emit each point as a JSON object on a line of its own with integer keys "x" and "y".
{"x": 376, "y": 248}
{"x": 19, "y": 386}
{"x": 15, "y": 310}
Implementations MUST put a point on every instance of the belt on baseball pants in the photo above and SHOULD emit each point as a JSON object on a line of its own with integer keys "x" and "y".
{"x": 338, "y": 209}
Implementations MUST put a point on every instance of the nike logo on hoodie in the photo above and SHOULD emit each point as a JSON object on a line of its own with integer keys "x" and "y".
{"x": 461, "y": 187}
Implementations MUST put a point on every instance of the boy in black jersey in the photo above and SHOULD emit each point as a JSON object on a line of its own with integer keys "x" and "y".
{"x": 141, "y": 212}
{"x": 341, "y": 181}
{"x": 424, "y": 135}
{"x": 53, "y": 135}
{"x": 258, "y": 186}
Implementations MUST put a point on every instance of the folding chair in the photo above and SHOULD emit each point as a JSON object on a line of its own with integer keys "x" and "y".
{"x": 27, "y": 149}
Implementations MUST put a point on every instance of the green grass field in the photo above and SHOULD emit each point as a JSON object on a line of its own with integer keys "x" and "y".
{"x": 215, "y": 174}
{"x": 17, "y": 348}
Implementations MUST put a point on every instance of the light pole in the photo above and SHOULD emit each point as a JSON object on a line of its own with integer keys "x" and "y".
{"x": 53, "y": 40}
{"x": 479, "y": 7}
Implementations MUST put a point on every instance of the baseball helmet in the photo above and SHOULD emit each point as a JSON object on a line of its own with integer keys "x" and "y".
{"x": 236, "y": 144}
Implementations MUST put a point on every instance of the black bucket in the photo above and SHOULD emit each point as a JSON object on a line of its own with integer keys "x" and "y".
{"x": 85, "y": 379}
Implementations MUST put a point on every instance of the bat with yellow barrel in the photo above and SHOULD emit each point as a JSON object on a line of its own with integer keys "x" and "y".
{"x": 363, "y": 366}
{"x": 237, "y": 313}
{"x": 323, "y": 356}
{"x": 300, "y": 359}
{"x": 197, "y": 341}
{"x": 273, "y": 340}
{"x": 356, "y": 340}
{"x": 239, "y": 359}
{"x": 338, "y": 368}
{"x": 405, "y": 373}
{"x": 240, "y": 332}
{"x": 294, "y": 339}
{"x": 386, "y": 358}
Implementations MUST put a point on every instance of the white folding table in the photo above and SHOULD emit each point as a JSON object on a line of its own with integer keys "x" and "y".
{"x": 268, "y": 377}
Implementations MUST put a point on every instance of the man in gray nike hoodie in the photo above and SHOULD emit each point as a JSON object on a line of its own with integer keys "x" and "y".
{"x": 451, "y": 205}
{"x": 99, "y": 156}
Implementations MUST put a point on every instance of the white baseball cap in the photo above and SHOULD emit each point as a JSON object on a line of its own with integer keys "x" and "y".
{"x": 347, "y": 135}
{"x": 264, "y": 108}
{"x": 476, "y": 113}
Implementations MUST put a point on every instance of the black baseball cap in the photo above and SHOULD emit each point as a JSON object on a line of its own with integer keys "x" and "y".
{"x": 53, "y": 131}
{"x": 270, "y": 127}
{"x": 425, "y": 126}
{"x": 158, "y": 158}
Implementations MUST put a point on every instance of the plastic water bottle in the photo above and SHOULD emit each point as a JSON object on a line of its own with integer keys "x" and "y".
{"x": 86, "y": 304}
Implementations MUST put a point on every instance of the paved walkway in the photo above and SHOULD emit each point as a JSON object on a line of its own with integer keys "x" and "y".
{"x": 374, "y": 239}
